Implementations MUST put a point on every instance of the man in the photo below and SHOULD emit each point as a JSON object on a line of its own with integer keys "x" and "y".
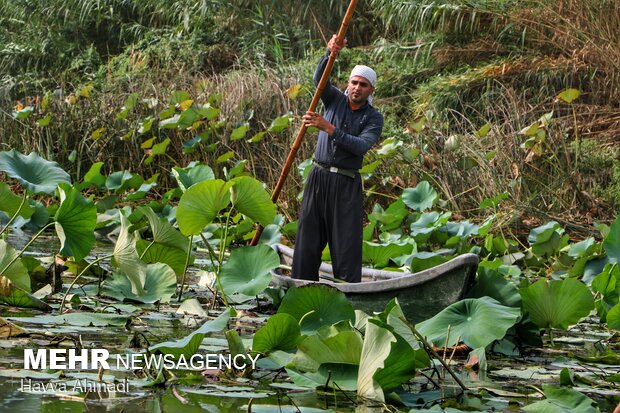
{"x": 331, "y": 211}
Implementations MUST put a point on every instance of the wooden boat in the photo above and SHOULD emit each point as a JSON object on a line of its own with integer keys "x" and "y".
{"x": 421, "y": 295}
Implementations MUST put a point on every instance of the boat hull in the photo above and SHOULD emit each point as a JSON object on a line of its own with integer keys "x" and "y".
{"x": 421, "y": 295}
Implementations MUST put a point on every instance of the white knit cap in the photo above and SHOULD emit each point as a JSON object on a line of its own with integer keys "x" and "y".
{"x": 366, "y": 72}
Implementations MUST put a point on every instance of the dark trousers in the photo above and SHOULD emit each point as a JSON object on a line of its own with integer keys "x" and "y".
{"x": 331, "y": 213}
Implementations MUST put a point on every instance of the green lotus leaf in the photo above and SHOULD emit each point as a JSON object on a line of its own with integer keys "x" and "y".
{"x": 557, "y": 303}
{"x": 492, "y": 284}
{"x": 9, "y": 203}
{"x": 76, "y": 219}
{"x": 332, "y": 345}
{"x": 420, "y": 198}
{"x": 376, "y": 349}
{"x": 613, "y": 317}
{"x": 164, "y": 233}
{"x": 251, "y": 199}
{"x": 379, "y": 254}
{"x": 188, "y": 346}
{"x": 547, "y": 239}
{"x": 612, "y": 241}
{"x": 477, "y": 321}
{"x": 340, "y": 376}
{"x": 400, "y": 365}
{"x": 16, "y": 272}
{"x": 562, "y": 400}
{"x": 152, "y": 252}
{"x": 281, "y": 332}
{"x": 248, "y": 270}
{"x": 126, "y": 258}
{"x": 315, "y": 306}
{"x": 94, "y": 176}
{"x": 159, "y": 285}
{"x": 17, "y": 297}
{"x": 36, "y": 174}
{"x": 390, "y": 218}
{"x": 122, "y": 180}
{"x": 200, "y": 204}
{"x": 192, "y": 174}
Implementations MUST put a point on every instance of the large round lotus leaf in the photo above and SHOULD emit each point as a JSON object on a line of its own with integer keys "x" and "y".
{"x": 476, "y": 321}
{"x": 281, "y": 332}
{"x": 35, "y": 173}
{"x": 200, "y": 204}
{"x": 76, "y": 219}
{"x": 248, "y": 270}
{"x": 421, "y": 197}
{"x": 557, "y": 304}
{"x": 251, "y": 199}
{"x": 317, "y": 305}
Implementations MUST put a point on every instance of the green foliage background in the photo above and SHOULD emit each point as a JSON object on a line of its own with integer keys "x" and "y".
{"x": 446, "y": 70}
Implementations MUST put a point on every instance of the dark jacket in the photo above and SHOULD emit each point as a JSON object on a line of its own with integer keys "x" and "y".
{"x": 356, "y": 130}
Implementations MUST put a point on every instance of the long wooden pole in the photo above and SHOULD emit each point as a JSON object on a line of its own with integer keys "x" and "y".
{"x": 315, "y": 101}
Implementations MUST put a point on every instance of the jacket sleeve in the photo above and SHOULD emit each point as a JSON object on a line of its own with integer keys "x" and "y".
{"x": 330, "y": 92}
{"x": 363, "y": 142}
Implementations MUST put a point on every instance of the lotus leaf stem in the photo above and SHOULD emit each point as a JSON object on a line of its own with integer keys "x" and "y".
{"x": 189, "y": 253}
{"x": 15, "y": 258}
{"x": 64, "y": 297}
{"x": 437, "y": 356}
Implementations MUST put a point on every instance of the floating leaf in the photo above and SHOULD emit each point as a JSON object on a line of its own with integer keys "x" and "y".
{"x": 562, "y": 400}
{"x": 478, "y": 322}
{"x": 8, "y": 329}
{"x": 420, "y": 198}
{"x": 188, "y": 346}
{"x": 557, "y": 304}
{"x": 35, "y": 173}
{"x": 315, "y": 306}
{"x": 248, "y": 270}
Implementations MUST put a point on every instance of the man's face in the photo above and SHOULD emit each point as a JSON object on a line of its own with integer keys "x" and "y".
{"x": 359, "y": 89}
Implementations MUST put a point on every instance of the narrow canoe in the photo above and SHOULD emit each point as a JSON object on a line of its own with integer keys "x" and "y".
{"x": 421, "y": 295}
